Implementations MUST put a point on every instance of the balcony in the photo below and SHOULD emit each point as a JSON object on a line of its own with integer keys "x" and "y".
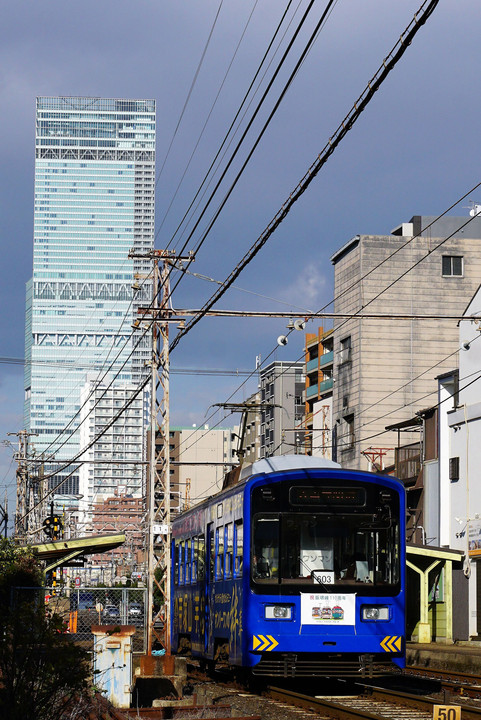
{"x": 312, "y": 391}
{"x": 327, "y": 358}
{"x": 408, "y": 463}
{"x": 326, "y": 385}
{"x": 312, "y": 365}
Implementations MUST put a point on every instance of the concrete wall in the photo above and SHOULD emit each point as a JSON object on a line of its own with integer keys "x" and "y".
{"x": 394, "y": 363}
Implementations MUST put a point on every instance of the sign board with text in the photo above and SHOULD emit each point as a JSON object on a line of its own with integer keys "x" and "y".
{"x": 447, "y": 712}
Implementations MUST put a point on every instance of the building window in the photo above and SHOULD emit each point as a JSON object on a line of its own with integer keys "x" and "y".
{"x": 346, "y": 439}
{"x": 454, "y": 469}
{"x": 452, "y": 266}
{"x": 345, "y": 351}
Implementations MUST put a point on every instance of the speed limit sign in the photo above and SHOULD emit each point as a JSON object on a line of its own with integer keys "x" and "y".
{"x": 447, "y": 712}
{"x": 77, "y": 582}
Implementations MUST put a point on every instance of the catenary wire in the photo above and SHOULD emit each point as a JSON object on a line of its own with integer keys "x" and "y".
{"x": 305, "y": 15}
{"x": 220, "y": 207}
{"x": 207, "y": 119}
{"x": 388, "y": 64}
{"x": 404, "y": 42}
{"x": 196, "y": 75}
{"x": 230, "y": 130}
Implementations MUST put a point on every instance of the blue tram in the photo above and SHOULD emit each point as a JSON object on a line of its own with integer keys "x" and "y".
{"x": 297, "y": 570}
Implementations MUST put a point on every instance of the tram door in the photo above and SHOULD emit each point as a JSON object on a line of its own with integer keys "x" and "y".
{"x": 209, "y": 587}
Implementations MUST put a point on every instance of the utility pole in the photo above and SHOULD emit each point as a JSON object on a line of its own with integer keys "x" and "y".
{"x": 25, "y": 493}
{"x": 158, "y": 476}
{"x": 4, "y": 516}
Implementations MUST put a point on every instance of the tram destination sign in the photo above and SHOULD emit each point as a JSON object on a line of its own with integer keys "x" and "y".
{"x": 328, "y": 496}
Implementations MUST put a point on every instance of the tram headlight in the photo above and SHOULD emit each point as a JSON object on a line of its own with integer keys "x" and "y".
{"x": 278, "y": 612}
{"x": 375, "y": 612}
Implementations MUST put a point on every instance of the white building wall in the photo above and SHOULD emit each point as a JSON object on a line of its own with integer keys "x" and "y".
{"x": 464, "y": 443}
{"x": 322, "y": 428}
{"x": 197, "y": 448}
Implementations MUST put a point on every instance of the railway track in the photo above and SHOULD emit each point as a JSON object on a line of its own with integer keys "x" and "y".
{"x": 379, "y": 704}
{"x": 462, "y": 684}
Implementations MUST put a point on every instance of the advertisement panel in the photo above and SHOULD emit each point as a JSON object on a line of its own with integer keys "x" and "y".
{"x": 332, "y": 609}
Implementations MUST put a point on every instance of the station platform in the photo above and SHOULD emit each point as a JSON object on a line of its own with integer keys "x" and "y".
{"x": 459, "y": 657}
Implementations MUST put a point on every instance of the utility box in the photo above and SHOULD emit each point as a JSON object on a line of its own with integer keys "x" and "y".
{"x": 113, "y": 662}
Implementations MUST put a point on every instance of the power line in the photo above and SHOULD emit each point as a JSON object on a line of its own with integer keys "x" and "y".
{"x": 196, "y": 75}
{"x": 264, "y": 128}
{"x": 244, "y": 101}
{"x": 207, "y": 119}
{"x": 227, "y": 372}
{"x": 345, "y": 127}
{"x": 388, "y": 64}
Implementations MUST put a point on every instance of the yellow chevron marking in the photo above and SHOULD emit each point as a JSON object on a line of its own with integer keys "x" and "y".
{"x": 265, "y": 642}
{"x": 383, "y": 643}
{"x": 274, "y": 643}
{"x": 255, "y": 642}
{"x": 391, "y": 643}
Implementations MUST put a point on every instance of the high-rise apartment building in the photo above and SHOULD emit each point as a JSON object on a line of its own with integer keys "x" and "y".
{"x": 94, "y": 203}
{"x": 114, "y": 461}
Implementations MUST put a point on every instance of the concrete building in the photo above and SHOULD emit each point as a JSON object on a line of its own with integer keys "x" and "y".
{"x": 199, "y": 458}
{"x": 113, "y": 465}
{"x": 94, "y": 202}
{"x": 205, "y": 455}
{"x": 318, "y": 393}
{"x": 385, "y": 369}
{"x": 252, "y": 438}
{"x": 282, "y": 385}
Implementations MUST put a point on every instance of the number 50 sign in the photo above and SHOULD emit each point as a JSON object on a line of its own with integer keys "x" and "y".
{"x": 447, "y": 712}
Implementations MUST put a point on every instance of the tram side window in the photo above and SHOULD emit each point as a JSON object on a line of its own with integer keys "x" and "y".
{"x": 195, "y": 558}
{"x": 181, "y": 563}
{"x": 201, "y": 557}
{"x": 187, "y": 561}
{"x": 265, "y": 548}
{"x": 219, "y": 566}
{"x": 211, "y": 537}
{"x": 239, "y": 548}
{"x": 229, "y": 541}
{"x": 176, "y": 562}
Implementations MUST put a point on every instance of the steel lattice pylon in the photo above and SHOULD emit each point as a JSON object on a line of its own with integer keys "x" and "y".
{"x": 158, "y": 478}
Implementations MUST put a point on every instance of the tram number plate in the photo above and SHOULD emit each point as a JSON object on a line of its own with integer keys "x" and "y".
{"x": 447, "y": 712}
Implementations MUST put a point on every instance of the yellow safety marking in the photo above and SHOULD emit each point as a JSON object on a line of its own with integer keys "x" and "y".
{"x": 274, "y": 643}
{"x": 391, "y": 643}
{"x": 264, "y": 642}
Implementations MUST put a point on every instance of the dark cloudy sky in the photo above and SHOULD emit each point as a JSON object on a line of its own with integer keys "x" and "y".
{"x": 415, "y": 150}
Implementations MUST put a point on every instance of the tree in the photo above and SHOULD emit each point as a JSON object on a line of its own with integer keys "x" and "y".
{"x": 42, "y": 672}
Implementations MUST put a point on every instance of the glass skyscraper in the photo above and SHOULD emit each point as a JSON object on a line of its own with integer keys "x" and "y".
{"x": 94, "y": 203}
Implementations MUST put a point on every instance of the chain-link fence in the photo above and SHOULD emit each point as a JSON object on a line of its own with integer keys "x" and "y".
{"x": 80, "y": 608}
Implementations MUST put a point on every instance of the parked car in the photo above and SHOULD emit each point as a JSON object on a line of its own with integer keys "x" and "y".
{"x": 111, "y": 612}
{"x": 136, "y": 610}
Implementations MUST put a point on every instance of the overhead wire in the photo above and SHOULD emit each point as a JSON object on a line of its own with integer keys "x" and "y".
{"x": 285, "y": 54}
{"x": 356, "y": 282}
{"x": 373, "y": 85}
{"x": 404, "y": 42}
{"x": 207, "y": 119}
{"x": 118, "y": 355}
{"x": 233, "y": 184}
{"x": 196, "y": 75}
{"x": 230, "y": 132}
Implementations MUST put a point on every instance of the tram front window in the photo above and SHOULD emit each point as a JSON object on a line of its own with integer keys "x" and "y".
{"x": 312, "y": 548}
